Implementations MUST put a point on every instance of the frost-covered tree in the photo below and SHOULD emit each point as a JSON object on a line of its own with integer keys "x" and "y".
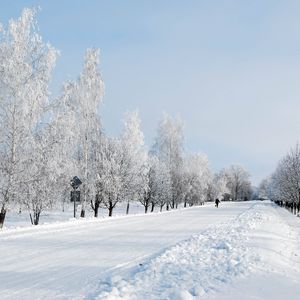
{"x": 26, "y": 63}
{"x": 265, "y": 190}
{"x": 134, "y": 163}
{"x": 158, "y": 191}
{"x": 40, "y": 192}
{"x": 64, "y": 132}
{"x": 218, "y": 186}
{"x": 163, "y": 186}
{"x": 197, "y": 177}
{"x": 83, "y": 98}
{"x": 286, "y": 179}
{"x": 238, "y": 182}
{"x": 168, "y": 147}
{"x": 109, "y": 175}
{"x": 122, "y": 166}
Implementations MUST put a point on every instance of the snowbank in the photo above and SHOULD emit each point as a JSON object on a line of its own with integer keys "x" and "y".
{"x": 256, "y": 246}
{"x": 193, "y": 268}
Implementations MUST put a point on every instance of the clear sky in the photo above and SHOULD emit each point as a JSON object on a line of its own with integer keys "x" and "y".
{"x": 230, "y": 69}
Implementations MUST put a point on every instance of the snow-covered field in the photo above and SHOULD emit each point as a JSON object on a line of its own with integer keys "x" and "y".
{"x": 245, "y": 250}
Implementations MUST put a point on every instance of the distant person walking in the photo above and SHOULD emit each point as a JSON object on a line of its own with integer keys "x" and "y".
{"x": 217, "y": 202}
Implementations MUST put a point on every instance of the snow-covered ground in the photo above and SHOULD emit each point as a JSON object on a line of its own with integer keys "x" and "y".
{"x": 246, "y": 250}
{"x": 15, "y": 220}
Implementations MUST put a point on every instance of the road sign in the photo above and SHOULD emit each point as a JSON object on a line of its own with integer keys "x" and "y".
{"x": 75, "y": 182}
{"x": 75, "y": 196}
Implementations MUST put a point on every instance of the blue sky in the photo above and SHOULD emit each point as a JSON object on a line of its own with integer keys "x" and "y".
{"x": 230, "y": 69}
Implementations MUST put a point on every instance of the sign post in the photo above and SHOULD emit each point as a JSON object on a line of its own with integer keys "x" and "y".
{"x": 75, "y": 195}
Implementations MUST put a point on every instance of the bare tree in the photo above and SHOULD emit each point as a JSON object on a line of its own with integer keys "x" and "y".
{"x": 238, "y": 182}
{"x": 218, "y": 186}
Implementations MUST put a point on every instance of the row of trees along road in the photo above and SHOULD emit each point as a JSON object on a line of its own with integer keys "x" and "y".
{"x": 45, "y": 141}
{"x": 283, "y": 186}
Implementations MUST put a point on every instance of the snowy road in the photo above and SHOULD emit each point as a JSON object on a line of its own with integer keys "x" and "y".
{"x": 72, "y": 260}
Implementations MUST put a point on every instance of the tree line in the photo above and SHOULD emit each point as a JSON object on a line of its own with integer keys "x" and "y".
{"x": 45, "y": 141}
{"x": 283, "y": 186}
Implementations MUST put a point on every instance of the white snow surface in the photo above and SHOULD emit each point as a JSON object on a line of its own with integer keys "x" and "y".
{"x": 243, "y": 250}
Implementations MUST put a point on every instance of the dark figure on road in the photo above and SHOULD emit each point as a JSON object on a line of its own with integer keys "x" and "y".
{"x": 217, "y": 202}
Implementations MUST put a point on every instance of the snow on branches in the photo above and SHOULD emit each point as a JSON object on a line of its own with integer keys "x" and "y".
{"x": 46, "y": 141}
{"x": 26, "y": 63}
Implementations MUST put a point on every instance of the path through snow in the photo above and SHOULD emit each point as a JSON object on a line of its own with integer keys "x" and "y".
{"x": 67, "y": 260}
{"x": 245, "y": 251}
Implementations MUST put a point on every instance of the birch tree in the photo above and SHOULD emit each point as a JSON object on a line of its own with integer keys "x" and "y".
{"x": 109, "y": 176}
{"x": 134, "y": 162}
{"x": 197, "y": 177}
{"x": 158, "y": 191}
{"x": 26, "y": 63}
{"x": 64, "y": 129}
{"x": 84, "y": 97}
{"x": 40, "y": 190}
{"x": 168, "y": 147}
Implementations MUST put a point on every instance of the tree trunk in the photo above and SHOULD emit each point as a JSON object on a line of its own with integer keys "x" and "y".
{"x": 31, "y": 220}
{"x": 110, "y": 209}
{"x": 167, "y": 208}
{"x": 161, "y": 207}
{"x": 36, "y": 218}
{"x": 184, "y": 203}
{"x": 97, "y": 204}
{"x": 146, "y": 208}
{"x": 152, "y": 206}
{"x": 127, "y": 208}
{"x": 2, "y": 216}
{"x": 95, "y": 207}
{"x": 82, "y": 213}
